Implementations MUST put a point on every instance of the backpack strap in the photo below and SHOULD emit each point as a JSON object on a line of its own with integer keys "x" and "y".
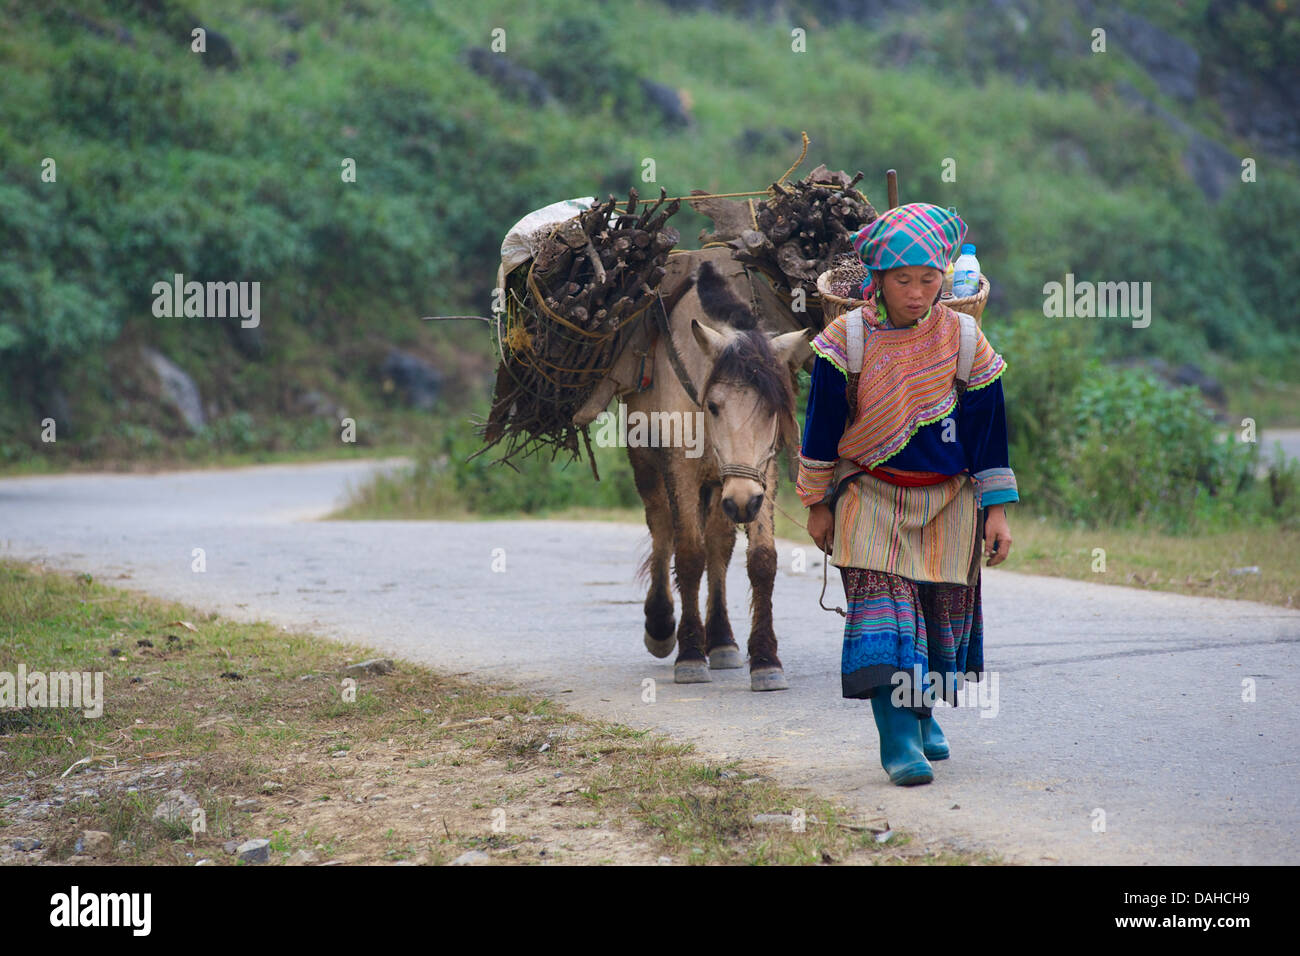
{"x": 966, "y": 351}
{"x": 855, "y": 341}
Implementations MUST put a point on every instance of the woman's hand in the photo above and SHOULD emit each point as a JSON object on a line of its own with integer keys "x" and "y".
{"x": 821, "y": 526}
{"x": 997, "y": 534}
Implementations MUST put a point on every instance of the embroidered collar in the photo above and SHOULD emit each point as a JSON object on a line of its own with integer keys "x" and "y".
{"x": 906, "y": 380}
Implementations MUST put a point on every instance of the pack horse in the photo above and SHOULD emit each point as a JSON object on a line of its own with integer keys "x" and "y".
{"x": 596, "y": 303}
{"x": 713, "y": 356}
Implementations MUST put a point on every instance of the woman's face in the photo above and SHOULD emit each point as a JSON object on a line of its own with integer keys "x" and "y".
{"x": 910, "y": 290}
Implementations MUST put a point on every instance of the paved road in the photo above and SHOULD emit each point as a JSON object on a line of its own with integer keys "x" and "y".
{"x": 1108, "y": 698}
{"x": 1288, "y": 438}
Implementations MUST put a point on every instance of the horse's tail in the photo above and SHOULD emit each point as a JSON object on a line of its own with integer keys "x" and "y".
{"x": 642, "y": 577}
{"x": 643, "y": 568}
{"x": 720, "y": 302}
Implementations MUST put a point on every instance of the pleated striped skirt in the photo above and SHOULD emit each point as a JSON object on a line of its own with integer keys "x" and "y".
{"x": 900, "y": 631}
{"x": 924, "y": 533}
{"x": 909, "y": 559}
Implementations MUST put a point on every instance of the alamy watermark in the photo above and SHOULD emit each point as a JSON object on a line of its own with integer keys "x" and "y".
{"x": 651, "y": 430}
{"x": 75, "y": 908}
{"x": 210, "y": 300}
{"x": 79, "y": 690}
{"x": 925, "y": 690}
{"x": 1103, "y": 300}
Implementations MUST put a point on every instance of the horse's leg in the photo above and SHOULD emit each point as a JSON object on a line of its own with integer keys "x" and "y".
{"x": 719, "y": 543}
{"x": 660, "y": 623}
{"x": 691, "y": 666}
{"x": 765, "y": 672}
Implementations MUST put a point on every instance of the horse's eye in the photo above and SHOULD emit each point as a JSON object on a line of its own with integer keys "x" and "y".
{"x": 713, "y": 408}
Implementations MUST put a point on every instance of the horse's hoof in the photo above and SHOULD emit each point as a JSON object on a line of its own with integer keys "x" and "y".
{"x": 725, "y": 657}
{"x": 660, "y": 648}
{"x": 691, "y": 672}
{"x": 768, "y": 678}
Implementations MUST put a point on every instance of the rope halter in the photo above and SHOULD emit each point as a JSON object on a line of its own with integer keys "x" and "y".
{"x": 743, "y": 471}
{"x": 738, "y": 470}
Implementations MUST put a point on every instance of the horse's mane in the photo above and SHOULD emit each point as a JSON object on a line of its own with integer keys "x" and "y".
{"x": 720, "y": 302}
{"x": 747, "y": 359}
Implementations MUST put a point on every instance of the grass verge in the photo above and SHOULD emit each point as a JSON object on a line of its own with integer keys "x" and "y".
{"x": 250, "y": 724}
{"x": 1208, "y": 565}
{"x": 1256, "y": 564}
{"x": 181, "y": 461}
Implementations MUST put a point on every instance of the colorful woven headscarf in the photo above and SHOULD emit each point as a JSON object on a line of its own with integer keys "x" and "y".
{"x": 915, "y": 234}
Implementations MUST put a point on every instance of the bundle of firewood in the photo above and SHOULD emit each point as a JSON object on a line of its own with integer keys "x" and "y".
{"x": 803, "y": 229}
{"x": 567, "y": 316}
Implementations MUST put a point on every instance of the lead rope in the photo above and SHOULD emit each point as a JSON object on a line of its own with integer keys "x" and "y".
{"x": 826, "y": 561}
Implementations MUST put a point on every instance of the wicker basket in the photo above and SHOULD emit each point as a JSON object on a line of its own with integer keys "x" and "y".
{"x": 833, "y": 306}
{"x": 972, "y": 304}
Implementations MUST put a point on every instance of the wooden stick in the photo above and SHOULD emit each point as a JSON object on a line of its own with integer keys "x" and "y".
{"x": 595, "y": 261}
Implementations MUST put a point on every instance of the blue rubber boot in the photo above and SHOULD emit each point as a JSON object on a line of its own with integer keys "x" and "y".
{"x": 900, "y": 743}
{"x": 933, "y": 742}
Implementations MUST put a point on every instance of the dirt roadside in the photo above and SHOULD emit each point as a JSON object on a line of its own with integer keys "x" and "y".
{"x": 217, "y": 735}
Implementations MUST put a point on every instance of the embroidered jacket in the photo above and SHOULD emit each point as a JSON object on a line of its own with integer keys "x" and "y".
{"x": 910, "y": 427}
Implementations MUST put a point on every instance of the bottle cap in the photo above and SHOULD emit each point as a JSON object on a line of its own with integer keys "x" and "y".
{"x": 968, "y": 249}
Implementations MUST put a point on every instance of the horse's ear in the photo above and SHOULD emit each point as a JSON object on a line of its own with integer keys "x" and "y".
{"x": 792, "y": 347}
{"x": 710, "y": 341}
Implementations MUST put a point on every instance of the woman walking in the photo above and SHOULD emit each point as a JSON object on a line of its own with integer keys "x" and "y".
{"x": 904, "y": 469}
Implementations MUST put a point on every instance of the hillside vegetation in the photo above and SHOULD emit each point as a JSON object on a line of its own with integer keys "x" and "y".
{"x": 226, "y": 166}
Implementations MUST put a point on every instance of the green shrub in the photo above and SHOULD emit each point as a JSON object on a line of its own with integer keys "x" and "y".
{"x": 237, "y": 432}
{"x": 535, "y": 483}
{"x": 1258, "y": 221}
{"x": 1275, "y": 498}
{"x": 1045, "y": 364}
{"x": 1138, "y": 451}
{"x": 57, "y": 299}
{"x": 114, "y": 96}
{"x": 166, "y": 165}
{"x": 599, "y": 83}
{"x": 1257, "y": 34}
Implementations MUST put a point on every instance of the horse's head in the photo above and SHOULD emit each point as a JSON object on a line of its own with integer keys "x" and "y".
{"x": 748, "y": 396}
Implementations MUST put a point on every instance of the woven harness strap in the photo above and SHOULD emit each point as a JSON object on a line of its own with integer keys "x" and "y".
{"x": 675, "y": 360}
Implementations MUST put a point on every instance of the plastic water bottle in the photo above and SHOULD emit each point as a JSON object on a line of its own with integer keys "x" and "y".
{"x": 966, "y": 273}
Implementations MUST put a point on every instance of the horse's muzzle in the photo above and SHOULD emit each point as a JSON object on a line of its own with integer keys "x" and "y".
{"x": 745, "y": 512}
